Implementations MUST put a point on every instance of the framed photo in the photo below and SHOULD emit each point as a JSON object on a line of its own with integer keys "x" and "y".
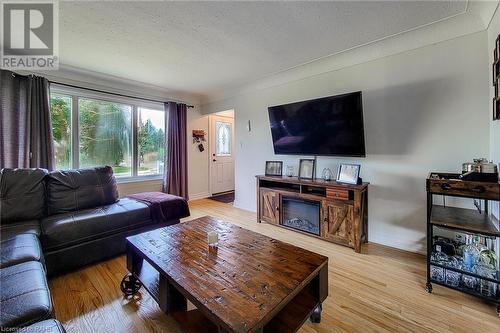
{"x": 306, "y": 168}
{"x": 274, "y": 168}
{"x": 496, "y": 109}
{"x": 497, "y": 48}
{"x": 348, "y": 173}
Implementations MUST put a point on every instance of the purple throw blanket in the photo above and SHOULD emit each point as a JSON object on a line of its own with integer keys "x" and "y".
{"x": 163, "y": 207}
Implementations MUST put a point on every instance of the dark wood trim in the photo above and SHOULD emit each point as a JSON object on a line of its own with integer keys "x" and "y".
{"x": 317, "y": 181}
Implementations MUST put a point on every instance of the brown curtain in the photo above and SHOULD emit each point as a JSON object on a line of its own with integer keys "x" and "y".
{"x": 25, "y": 126}
{"x": 175, "y": 174}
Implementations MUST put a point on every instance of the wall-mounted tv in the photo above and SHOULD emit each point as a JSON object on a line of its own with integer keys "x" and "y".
{"x": 331, "y": 126}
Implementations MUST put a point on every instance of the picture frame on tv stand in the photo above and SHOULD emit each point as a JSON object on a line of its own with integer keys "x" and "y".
{"x": 307, "y": 168}
{"x": 274, "y": 168}
{"x": 348, "y": 174}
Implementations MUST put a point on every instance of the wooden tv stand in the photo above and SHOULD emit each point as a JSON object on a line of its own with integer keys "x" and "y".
{"x": 341, "y": 210}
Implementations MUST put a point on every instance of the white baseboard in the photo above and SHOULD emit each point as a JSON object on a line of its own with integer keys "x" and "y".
{"x": 410, "y": 245}
{"x": 198, "y": 196}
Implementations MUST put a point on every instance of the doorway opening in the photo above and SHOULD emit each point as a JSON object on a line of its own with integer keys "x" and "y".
{"x": 222, "y": 153}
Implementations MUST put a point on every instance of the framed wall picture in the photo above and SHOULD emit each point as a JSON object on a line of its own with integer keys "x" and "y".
{"x": 274, "y": 168}
{"x": 496, "y": 109}
{"x": 348, "y": 173}
{"x": 306, "y": 168}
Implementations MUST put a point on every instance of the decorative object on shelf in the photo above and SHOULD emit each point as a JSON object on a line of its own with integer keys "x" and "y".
{"x": 306, "y": 168}
{"x": 480, "y": 170}
{"x": 445, "y": 246}
{"x": 495, "y": 70}
{"x": 348, "y": 173}
{"x": 327, "y": 174}
{"x": 452, "y": 278}
{"x": 290, "y": 170}
{"x": 199, "y": 138}
{"x": 213, "y": 238}
{"x": 470, "y": 254}
{"x": 487, "y": 288}
{"x": 274, "y": 168}
{"x": 469, "y": 281}
{"x": 437, "y": 273}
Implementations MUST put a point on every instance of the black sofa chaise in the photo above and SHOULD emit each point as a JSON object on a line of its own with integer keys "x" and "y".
{"x": 53, "y": 222}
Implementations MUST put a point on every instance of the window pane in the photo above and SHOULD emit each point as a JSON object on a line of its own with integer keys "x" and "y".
{"x": 223, "y": 144}
{"x": 105, "y": 135}
{"x": 151, "y": 141}
{"x": 60, "y": 114}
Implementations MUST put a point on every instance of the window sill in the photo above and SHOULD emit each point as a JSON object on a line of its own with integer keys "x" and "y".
{"x": 125, "y": 180}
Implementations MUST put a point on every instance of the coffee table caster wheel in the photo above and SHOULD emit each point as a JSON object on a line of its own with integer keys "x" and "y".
{"x": 130, "y": 285}
{"x": 498, "y": 311}
{"x": 316, "y": 314}
{"x": 428, "y": 287}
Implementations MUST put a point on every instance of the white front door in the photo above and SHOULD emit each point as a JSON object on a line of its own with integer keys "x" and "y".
{"x": 221, "y": 154}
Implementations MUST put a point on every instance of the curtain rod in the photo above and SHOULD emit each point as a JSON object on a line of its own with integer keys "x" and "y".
{"x": 100, "y": 91}
{"x": 112, "y": 93}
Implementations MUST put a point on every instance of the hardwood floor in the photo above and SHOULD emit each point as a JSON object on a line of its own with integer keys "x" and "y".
{"x": 380, "y": 290}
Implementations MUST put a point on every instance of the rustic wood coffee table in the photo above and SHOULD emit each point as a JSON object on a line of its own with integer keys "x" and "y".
{"x": 249, "y": 283}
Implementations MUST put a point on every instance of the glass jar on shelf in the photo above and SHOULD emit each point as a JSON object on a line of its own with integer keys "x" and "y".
{"x": 470, "y": 253}
{"x": 438, "y": 273}
{"x": 488, "y": 256}
{"x": 487, "y": 288}
{"x": 469, "y": 281}
{"x": 452, "y": 277}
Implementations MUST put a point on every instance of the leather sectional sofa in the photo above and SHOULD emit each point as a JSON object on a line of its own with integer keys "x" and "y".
{"x": 52, "y": 222}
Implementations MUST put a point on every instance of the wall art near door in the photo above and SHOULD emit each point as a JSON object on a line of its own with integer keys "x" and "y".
{"x": 199, "y": 138}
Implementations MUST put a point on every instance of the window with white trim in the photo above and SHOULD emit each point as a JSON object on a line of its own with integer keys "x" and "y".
{"x": 92, "y": 129}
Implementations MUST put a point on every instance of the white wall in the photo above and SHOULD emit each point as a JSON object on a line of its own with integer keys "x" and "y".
{"x": 493, "y": 32}
{"x": 424, "y": 109}
{"x": 198, "y": 180}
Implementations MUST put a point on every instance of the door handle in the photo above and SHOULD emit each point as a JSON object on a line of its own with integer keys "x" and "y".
{"x": 214, "y": 160}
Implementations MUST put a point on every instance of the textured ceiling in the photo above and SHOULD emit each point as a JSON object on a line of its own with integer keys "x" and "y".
{"x": 206, "y": 46}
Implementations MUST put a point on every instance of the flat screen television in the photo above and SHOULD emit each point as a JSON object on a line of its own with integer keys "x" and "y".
{"x": 331, "y": 126}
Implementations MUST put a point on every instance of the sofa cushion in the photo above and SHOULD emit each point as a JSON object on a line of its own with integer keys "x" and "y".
{"x": 46, "y": 326}
{"x": 67, "y": 229}
{"x": 10, "y": 230}
{"x": 22, "y": 194}
{"x": 21, "y": 248}
{"x": 74, "y": 190}
{"x": 24, "y": 296}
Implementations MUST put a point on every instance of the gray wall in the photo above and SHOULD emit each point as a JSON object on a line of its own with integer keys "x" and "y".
{"x": 425, "y": 109}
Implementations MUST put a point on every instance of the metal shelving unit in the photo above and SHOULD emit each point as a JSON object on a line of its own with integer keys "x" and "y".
{"x": 466, "y": 221}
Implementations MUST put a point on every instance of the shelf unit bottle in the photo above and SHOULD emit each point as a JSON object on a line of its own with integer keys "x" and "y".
{"x": 476, "y": 222}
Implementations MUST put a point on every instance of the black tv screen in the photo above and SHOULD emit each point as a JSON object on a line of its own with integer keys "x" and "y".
{"x": 325, "y": 126}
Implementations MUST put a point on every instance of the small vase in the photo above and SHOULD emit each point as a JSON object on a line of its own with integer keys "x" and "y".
{"x": 327, "y": 174}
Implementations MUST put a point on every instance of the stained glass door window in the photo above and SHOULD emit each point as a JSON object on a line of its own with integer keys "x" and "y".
{"x": 223, "y": 143}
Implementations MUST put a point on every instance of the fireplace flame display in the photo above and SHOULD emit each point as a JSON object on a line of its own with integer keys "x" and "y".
{"x": 301, "y": 215}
